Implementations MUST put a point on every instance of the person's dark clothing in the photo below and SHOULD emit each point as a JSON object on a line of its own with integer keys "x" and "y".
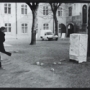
{"x": 2, "y": 40}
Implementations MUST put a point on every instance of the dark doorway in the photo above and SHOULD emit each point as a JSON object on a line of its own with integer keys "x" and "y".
{"x": 62, "y": 28}
{"x": 70, "y": 28}
{"x": 84, "y": 14}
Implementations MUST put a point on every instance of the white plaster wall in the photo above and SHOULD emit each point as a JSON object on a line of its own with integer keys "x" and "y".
{"x": 23, "y": 19}
{"x": 62, "y": 19}
{"x": 77, "y": 8}
{"x": 8, "y": 18}
{"x": 11, "y": 18}
{"x": 44, "y": 18}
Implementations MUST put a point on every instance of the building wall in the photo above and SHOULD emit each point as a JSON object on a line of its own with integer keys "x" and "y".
{"x": 23, "y": 19}
{"x": 8, "y": 18}
{"x": 42, "y": 19}
{"x": 62, "y": 19}
{"x": 65, "y": 19}
{"x": 76, "y": 17}
{"x": 49, "y": 18}
{"x": 16, "y": 16}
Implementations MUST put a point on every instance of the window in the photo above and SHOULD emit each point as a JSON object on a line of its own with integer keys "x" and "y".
{"x": 84, "y": 14}
{"x": 23, "y": 9}
{"x": 24, "y": 27}
{"x": 70, "y": 11}
{"x": 45, "y": 26}
{"x": 49, "y": 33}
{"x": 8, "y": 27}
{"x": 60, "y": 12}
{"x": 45, "y": 10}
{"x": 7, "y": 8}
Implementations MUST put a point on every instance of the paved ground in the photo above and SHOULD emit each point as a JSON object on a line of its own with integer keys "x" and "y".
{"x": 21, "y": 70}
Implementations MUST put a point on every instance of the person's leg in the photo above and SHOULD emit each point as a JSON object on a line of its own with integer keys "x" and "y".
{"x": 0, "y": 61}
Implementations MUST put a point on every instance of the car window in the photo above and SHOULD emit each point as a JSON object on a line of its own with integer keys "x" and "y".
{"x": 49, "y": 33}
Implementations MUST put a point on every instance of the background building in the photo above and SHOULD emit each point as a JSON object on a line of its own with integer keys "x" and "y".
{"x": 17, "y": 18}
{"x": 45, "y": 17}
{"x": 77, "y": 16}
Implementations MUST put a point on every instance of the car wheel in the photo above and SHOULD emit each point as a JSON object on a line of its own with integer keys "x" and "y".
{"x": 56, "y": 39}
{"x": 42, "y": 38}
{"x": 49, "y": 39}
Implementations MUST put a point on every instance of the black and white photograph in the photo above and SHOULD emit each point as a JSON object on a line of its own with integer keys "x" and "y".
{"x": 45, "y": 44}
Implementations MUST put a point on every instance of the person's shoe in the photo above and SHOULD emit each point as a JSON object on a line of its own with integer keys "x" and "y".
{"x": 8, "y": 53}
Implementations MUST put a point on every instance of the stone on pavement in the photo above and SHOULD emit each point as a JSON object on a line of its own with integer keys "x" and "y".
{"x": 54, "y": 63}
{"x": 52, "y": 69}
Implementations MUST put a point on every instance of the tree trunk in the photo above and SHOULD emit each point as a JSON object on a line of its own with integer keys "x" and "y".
{"x": 56, "y": 24}
{"x": 33, "y": 31}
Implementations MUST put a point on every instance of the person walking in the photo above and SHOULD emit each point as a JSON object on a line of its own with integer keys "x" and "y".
{"x": 2, "y": 40}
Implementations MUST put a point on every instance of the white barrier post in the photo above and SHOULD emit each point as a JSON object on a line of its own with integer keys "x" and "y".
{"x": 78, "y": 47}
{"x": 63, "y": 35}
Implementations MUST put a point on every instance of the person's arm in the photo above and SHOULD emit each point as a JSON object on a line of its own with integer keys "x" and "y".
{"x": 4, "y": 51}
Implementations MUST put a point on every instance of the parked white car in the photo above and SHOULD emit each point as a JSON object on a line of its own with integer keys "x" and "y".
{"x": 48, "y": 35}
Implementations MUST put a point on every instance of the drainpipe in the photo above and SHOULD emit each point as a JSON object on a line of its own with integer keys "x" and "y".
{"x": 16, "y": 20}
{"x": 87, "y": 20}
{"x": 53, "y": 24}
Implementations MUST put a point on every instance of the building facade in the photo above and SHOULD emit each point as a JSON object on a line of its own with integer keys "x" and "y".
{"x": 77, "y": 18}
{"x": 17, "y": 18}
{"x": 45, "y": 17}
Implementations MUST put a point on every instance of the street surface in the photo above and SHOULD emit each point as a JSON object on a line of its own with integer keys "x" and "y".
{"x": 56, "y": 71}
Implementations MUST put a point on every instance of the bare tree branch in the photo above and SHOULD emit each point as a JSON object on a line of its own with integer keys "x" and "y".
{"x": 59, "y": 5}
{"x": 51, "y": 4}
{"x": 29, "y": 4}
{"x": 54, "y": 7}
{"x": 33, "y": 5}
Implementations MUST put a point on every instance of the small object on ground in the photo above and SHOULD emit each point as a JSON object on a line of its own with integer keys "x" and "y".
{"x": 59, "y": 62}
{"x": 52, "y": 69}
{"x": 62, "y": 59}
{"x": 37, "y": 63}
{"x": 15, "y": 51}
{"x": 42, "y": 64}
{"x": 54, "y": 63}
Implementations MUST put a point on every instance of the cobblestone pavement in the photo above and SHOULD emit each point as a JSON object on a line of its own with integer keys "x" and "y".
{"x": 44, "y": 65}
